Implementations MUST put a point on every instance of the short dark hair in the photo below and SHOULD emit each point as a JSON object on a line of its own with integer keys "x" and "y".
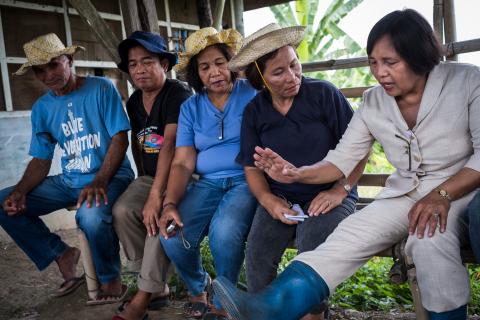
{"x": 252, "y": 73}
{"x": 191, "y": 71}
{"x": 411, "y": 36}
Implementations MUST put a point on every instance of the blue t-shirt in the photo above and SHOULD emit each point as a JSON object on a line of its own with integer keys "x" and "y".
{"x": 83, "y": 123}
{"x": 200, "y": 125}
{"x": 316, "y": 121}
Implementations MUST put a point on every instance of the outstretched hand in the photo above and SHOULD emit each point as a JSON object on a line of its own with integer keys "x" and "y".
{"x": 275, "y": 166}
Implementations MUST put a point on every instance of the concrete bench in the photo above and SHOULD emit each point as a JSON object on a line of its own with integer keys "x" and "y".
{"x": 91, "y": 279}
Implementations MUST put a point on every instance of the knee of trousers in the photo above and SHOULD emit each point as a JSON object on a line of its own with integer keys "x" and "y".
{"x": 122, "y": 213}
{"x": 93, "y": 223}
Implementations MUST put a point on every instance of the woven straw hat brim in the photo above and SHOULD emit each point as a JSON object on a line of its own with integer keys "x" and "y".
{"x": 46, "y": 58}
{"x": 230, "y": 37}
{"x": 265, "y": 44}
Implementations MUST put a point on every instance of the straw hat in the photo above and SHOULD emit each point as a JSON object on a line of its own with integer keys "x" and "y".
{"x": 203, "y": 38}
{"x": 265, "y": 40}
{"x": 43, "y": 49}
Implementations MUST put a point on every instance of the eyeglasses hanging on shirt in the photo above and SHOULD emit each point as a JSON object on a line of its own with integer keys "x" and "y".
{"x": 220, "y": 126}
{"x": 408, "y": 147}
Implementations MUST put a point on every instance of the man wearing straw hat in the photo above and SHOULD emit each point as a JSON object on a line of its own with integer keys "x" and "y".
{"x": 153, "y": 110}
{"x": 85, "y": 118}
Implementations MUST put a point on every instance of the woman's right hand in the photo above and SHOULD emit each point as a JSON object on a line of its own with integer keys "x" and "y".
{"x": 170, "y": 213}
{"x": 275, "y": 166}
{"x": 277, "y": 207}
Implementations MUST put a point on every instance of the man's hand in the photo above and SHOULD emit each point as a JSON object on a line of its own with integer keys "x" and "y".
{"x": 432, "y": 211}
{"x": 15, "y": 203}
{"x": 96, "y": 190}
{"x": 151, "y": 214}
{"x": 170, "y": 213}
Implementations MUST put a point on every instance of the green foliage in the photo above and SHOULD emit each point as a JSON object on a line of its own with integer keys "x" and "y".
{"x": 370, "y": 289}
{"x": 324, "y": 39}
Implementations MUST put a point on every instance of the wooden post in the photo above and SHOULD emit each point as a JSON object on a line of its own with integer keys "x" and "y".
{"x": 438, "y": 19}
{"x": 100, "y": 28}
{"x": 449, "y": 25}
{"x": 204, "y": 13}
{"x": 218, "y": 14}
{"x": 147, "y": 12}
{"x": 238, "y": 10}
{"x": 130, "y": 16}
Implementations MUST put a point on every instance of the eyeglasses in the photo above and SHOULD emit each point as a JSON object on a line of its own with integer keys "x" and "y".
{"x": 220, "y": 126}
{"x": 408, "y": 149}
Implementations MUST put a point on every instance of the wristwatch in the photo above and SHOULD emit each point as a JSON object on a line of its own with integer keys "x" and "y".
{"x": 347, "y": 187}
{"x": 444, "y": 194}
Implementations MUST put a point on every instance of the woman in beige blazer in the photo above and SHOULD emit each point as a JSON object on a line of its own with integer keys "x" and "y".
{"x": 426, "y": 115}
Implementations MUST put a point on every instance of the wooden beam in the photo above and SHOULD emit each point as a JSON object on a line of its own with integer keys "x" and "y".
{"x": 204, "y": 13}
{"x": 98, "y": 26}
{"x": 449, "y": 25}
{"x": 449, "y": 48}
{"x": 147, "y": 11}
{"x": 218, "y": 14}
{"x": 354, "y": 92}
{"x": 335, "y": 64}
{"x": 130, "y": 16}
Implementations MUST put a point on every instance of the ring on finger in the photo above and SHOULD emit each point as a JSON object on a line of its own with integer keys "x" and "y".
{"x": 436, "y": 214}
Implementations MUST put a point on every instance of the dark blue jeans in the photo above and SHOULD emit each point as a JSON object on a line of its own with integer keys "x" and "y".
{"x": 223, "y": 208}
{"x": 473, "y": 219}
{"x": 43, "y": 247}
{"x": 268, "y": 239}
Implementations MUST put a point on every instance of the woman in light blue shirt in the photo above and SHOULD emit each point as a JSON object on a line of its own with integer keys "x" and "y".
{"x": 219, "y": 204}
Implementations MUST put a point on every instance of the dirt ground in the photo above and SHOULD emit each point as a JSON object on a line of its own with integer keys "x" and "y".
{"x": 24, "y": 294}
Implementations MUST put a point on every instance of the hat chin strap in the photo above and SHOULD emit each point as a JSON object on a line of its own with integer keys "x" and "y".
{"x": 261, "y": 76}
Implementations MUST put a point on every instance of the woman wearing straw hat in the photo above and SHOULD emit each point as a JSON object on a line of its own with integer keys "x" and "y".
{"x": 426, "y": 115}
{"x": 219, "y": 204}
{"x": 303, "y": 118}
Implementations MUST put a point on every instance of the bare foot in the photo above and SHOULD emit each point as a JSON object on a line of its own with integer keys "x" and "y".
{"x": 112, "y": 288}
{"x": 136, "y": 308}
{"x": 67, "y": 262}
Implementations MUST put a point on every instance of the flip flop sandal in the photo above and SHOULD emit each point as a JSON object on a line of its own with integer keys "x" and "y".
{"x": 108, "y": 298}
{"x": 195, "y": 310}
{"x": 155, "y": 304}
{"x": 68, "y": 286}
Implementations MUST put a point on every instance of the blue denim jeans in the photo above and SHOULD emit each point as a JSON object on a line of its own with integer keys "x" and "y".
{"x": 473, "y": 219}
{"x": 222, "y": 208}
{"x": 43, "y": 247}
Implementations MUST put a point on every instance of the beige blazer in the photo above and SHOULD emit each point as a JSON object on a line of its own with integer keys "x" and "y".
{"x": 445, "y": 139}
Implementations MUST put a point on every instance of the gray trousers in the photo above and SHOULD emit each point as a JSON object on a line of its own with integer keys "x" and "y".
{"x": 442, "y": 278}
{"x": 144, "y": 253}
{"x": 268, "y": 239}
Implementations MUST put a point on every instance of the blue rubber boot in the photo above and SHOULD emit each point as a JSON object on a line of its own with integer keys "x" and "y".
{"x": 289, "y": 297}
{"x": 457, "y": 314}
